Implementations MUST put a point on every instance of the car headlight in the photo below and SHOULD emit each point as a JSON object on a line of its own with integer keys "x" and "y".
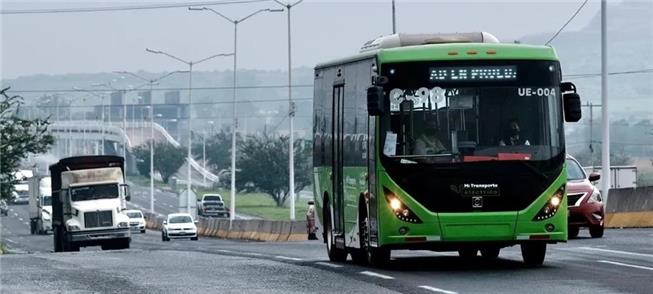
{"x": 551, "y": 206}
{"x": 595, "y": 197}
{"x": 400, "y": 210}
{"x": 123, "y": 224}
{"x": 73, "y": 228}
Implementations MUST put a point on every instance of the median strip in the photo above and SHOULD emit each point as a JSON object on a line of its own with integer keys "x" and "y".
{"x": 627, "y": 265}
{"x": 288, "y": 258}
{"x": 329, "y": 264}
{"x": 437, "y": 290}
{"x": 377, "y": 275}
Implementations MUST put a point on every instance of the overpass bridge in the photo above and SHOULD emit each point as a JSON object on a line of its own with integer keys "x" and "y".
{"x": 74, "y": 138}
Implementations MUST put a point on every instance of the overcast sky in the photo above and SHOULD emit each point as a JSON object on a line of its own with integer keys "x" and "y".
{"x": 322, "y": 30}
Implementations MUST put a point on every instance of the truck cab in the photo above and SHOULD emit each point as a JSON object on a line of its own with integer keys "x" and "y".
{"x": 89, "y": 197}
{"x": 40, "y": 204}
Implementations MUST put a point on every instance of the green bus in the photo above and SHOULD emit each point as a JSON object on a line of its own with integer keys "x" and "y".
{"x": 443, "y": 142}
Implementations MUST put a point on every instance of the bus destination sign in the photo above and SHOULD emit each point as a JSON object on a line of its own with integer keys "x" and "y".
{"x": 473, "y": 73}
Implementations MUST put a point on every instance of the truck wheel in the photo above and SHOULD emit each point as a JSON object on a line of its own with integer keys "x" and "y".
{"x": 58, "y": 239}
{"x": 596, "y": 231}
{"x": 123, "y": 244}
{"x": 194, "y": 238}
{"x": 533, "y": 253}
{"x": 32, "y": 227}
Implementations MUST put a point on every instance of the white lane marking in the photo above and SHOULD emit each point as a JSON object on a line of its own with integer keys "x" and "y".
{"x": 170, "y": 205}
{"x": 20, "y": 219}
{"x": 288, "y": 258}
{"x": 628, "y": 265}
{"x": 438, "y": 290}
{"x": 329, "y": 264}
{"x": 15, "y": 214}
{"x": 377, "y": 275}
{"x": 11, "y": 241}
{"x": 11, "y": 209}
{"x": 616, "y": 251}
{"x": 252, "y": 253}
{"x": 225, "y": 251}
{"x": 27, "y": 223}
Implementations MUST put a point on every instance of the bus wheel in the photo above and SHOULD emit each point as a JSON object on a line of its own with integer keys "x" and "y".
{"x": 468, "y": 252}
{"x": 533, "y": 253}
{"x": 335, "y": 254}
{"x": 490, "y": 252}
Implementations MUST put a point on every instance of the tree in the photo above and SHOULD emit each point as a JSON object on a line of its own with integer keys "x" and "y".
{"x": 263, "y": 165}
{"x": 218, "y": 150}
{"x": 167, "y": 159}
{"x": 18, "y": 138}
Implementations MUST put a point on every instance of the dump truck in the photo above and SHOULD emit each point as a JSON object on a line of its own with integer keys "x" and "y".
{"x": 89, "y": 195}
{"x": 40, "y": 204}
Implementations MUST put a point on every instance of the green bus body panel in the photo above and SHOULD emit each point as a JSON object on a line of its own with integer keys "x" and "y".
{"x": 440, "y": 52}
{"x": 512, "y": 226}
{"x": 482, "y": 226}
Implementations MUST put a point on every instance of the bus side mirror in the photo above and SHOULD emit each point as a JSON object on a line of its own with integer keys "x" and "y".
{"x": 571, "y": 102}
{"x": 375, "y": 103}
{"x": 594, "y": 177}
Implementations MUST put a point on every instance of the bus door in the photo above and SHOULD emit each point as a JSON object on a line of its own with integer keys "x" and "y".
{"x": 337, "y": 159}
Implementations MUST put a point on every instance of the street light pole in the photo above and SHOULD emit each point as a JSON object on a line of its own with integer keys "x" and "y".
{"x": 605, "y": 150}
{"x": 291, "y": 116}
{"x": 235, "y": 22}
{"x": 190, "y": 109}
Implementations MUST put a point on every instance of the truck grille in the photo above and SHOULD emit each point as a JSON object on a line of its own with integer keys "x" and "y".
{"x": 96, "y": 219}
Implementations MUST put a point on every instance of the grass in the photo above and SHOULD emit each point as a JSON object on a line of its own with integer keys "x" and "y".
{"x": 260, "y": 205}
{"x": 254, "y": 204}
{"x": 3, "y": 248}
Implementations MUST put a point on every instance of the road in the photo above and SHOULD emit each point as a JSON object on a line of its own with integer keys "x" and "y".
{"x": 621, "y": 262}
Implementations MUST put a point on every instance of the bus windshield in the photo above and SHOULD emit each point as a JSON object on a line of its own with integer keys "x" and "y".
{"x": 447, "y": 119}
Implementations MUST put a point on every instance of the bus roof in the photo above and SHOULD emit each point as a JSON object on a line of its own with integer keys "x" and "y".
{"x": 453, "y": 51}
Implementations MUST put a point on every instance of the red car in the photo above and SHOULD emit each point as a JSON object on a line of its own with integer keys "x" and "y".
{"x": 586, "y": 208}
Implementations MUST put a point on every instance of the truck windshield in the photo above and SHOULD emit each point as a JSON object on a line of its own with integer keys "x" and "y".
{"x": 473, "y": 112}
{"x": 104, "y": 191}
{"x": 47, "y": 201}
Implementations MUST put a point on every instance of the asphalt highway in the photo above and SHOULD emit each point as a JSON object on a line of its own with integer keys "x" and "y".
{"x": 621, "y": 262}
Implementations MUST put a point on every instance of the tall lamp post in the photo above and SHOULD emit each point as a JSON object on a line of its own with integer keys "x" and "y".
{"x": 190, "y": 106}
{"x": 151, "y": 83}
{"x": 291, "y": 120}
{"x": 235, "y": 22}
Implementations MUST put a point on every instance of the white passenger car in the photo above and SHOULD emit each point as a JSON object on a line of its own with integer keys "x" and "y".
{"x": 179, "y": 226}
{"x": 136, "y": 220}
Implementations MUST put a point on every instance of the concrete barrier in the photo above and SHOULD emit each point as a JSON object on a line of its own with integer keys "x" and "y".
{"x": 253, "y": 230}
{"x": 630, "y": 208}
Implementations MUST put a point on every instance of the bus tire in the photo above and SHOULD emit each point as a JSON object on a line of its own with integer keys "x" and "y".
{"x": 490, "y": 252}
{"x": 533, "y": 253}
{"x": 468, "y": 252}
{"x": 335, "y": 254}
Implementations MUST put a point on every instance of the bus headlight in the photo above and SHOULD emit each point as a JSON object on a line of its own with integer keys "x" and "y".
{"x": 551, "y": 207}
{"x": 400, "y": 210}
